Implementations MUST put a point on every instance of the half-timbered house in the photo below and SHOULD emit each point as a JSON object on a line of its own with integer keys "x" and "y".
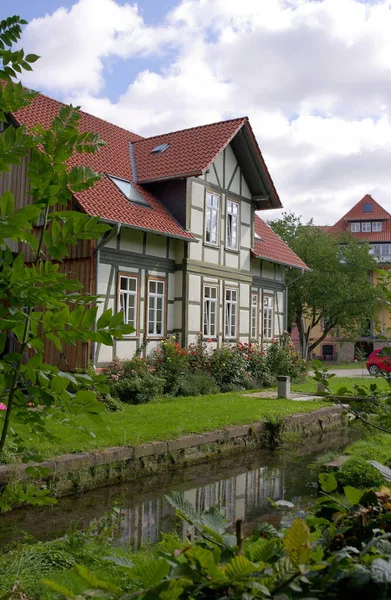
{"x": 186, "y": 253}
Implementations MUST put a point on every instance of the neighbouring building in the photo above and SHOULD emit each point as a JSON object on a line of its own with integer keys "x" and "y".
{"x": 371, "y": 223}
{"x": 186, "y": 253}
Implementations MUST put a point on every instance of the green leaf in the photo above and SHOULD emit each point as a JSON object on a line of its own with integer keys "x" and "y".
{"x": 297, "y": 542}
{"x": 60, "y": 589}
{"x": 328, "y": 482}
{"x": 152, "y": 572}
{"x": 239, "y": 567}
{"x": 32, "y": 58}
{"x": 120, "y": 561}
{"x": 352, "y": 494}
{"x": 381, "y": 570}
{"x": 104, "y": 319}
{"x": 7, "y": 204}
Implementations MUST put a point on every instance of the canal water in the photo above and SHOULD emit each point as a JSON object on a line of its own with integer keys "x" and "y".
{"x": 239, "y": 486}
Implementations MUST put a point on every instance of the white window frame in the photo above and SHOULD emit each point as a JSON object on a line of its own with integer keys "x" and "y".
{"x": 366, "y": 226}
{"x": 377, "y": 226}
{"x": 152, "y": 304}
{"x": 209, "y": 308}
{"x": 124, "y": 297}
{"x": 232, "y": 225}
{"x": 212, "y": 218}
{"x": 254, "y": 316}
{"x": 355, "y": 227}
{"x": 268, "y": 316}
{"x": 231, "y": 303}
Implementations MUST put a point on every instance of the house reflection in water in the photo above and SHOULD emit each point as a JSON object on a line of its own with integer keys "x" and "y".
{"x": 243, "y": 496}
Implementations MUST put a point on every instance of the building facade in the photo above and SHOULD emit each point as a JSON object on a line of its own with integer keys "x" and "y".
{"x": 371, "y": 223}
{"x": 186, "y": 253}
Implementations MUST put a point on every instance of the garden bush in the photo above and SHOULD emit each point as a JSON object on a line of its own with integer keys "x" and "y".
{"x": 358, "y": 472}
{"x": 283, "y": 359}
{"x": 197, "y": 384}
{"x": 169, "y": 361}
{"x": 228, "y": 366}
{"x": 137, "y": 389}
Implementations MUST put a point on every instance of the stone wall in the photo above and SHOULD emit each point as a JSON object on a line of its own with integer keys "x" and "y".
{"x": 75, "y": 473}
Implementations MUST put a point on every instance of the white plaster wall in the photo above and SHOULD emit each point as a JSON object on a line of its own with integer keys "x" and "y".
{"x": 156, "y": 245}
{"x": 178, "y": 284}
{"x": 244, "y": 295}
{"x": 244, "y": 324}
{"x": 171, "y": 286}
{"x": 173, "y": 249}
{"x": 197, "y": 195}
{"x": 245, "y": 235}
{"x": 235, "y": 185}
{"x": 245, "y": 191}
{"x": 256, "y": 267}
{"x": 196, "y": 250}
{"x": 211, "y": 255}
{"x": 131, "y": 240}
{"x": 111, "y": 243}
{"x": 232, "y": 260}
{"x": 245, "y": 262}
{"x": 170, "y": 318}
{"x": 125, "y": 348}
{"x": 103, "y": 279}
{"x": 196, "y": 222}
{"x": 211, "y": 176}
{"x": 245, "y": 213}
{"x": 280, "y": 301}
{"x": 178, "y": 314}
{"x": 194, "y": 317}
{"x": 105, "y": 354}
{"x": 179, "y": 251}
{"x": 194, "y": 292}
{"x": 230, "y": 164}
{"x": 219, "y": 167}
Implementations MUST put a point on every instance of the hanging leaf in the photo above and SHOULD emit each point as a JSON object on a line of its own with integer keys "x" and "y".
{"x": 328, "y": 482}
{"x": 297, "y": 542}
{"x": 238, "y": 568}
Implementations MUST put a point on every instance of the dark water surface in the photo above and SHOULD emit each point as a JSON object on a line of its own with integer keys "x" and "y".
{"x": 239, "y": 486}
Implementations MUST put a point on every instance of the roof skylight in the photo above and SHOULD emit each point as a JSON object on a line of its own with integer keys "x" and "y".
{"x": 160, "y": 148}
{"x": 367, "y": 208}
{"x": 128, "y": 189}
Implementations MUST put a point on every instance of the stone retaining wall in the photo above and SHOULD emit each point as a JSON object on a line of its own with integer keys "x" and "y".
{"x": 75, "y": 473}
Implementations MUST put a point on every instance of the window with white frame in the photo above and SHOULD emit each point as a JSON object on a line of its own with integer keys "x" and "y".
{"x": 128, "y": 299}
{"x": 210, "y": 311}
{"x": 268, "y": 315}
{"x": 212, "y": 218}
{"x": 355, "y": 227}
{"x": 376, "y": 226}
{"x": 365, "y": 227}
{"x": 254, "y": 315}
{"x": 156, "y": 307}
{"x": 232, "y": 233}
{"x": 231, "y": 312}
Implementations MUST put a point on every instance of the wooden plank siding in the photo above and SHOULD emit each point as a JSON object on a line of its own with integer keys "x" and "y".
{"x": 79, "y": 264}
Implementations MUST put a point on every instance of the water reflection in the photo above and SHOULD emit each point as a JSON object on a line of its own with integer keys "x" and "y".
{"x": 239, "y": 486}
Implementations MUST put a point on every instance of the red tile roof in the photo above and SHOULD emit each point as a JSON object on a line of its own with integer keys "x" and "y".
{"x": 190, "y": 151}
{"x": 105, "y": 199}
{"x": 357, "y": 214}
{"x": 271, "y": 247}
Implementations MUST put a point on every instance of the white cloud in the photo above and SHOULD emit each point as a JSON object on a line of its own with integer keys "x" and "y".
{"x": 314, "y": 78}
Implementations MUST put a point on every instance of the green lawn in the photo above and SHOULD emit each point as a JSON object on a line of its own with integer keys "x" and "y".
{"x": 310, "y": 386}
{"x": 164, "y": 420}
{"x": 345, "y": 365}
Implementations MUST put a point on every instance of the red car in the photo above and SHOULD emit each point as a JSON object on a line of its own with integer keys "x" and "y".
{"x": 379, "y": 360}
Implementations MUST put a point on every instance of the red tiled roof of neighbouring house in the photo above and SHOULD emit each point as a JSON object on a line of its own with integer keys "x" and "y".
{"x": 104, "y": 199}
{"x": 271, "y": 247}
{"x": 358, "y": 214}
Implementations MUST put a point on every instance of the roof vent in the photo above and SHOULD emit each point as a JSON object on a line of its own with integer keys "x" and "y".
{"x": 160, "y": 148}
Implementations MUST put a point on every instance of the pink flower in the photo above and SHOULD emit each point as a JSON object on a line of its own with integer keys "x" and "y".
{"x": 2, "y": 406}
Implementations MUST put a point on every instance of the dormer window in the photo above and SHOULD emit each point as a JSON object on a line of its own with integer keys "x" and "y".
{"x": 128, "y": 189}
{"x": 160, "y": 148}
{"x": 354, "y": 227}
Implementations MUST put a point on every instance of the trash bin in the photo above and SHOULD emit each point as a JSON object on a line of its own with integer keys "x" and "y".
{"x": 284, "y": 386}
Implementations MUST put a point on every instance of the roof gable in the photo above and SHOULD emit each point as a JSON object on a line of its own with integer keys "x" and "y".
{"x": 271, "y": 247}
{"x": 358, "y": 213}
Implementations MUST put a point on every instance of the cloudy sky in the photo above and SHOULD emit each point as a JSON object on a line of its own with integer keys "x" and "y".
{"x": 314, "y": 77}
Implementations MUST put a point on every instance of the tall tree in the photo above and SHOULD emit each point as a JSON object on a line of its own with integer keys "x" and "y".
{"x": 337, "y": 292}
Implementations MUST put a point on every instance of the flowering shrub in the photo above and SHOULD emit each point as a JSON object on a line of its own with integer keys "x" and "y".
{"x": 170, "y": 362}
{"x": 198, "y": 355}
{"x": 257, "y": 367}
{"x": 138, "y": 390}
{"x": 283, "y": 359}
{"x": 229, "y": 367}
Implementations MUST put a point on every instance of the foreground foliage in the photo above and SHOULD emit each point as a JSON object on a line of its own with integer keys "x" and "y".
{"x": 340, "y": 550}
